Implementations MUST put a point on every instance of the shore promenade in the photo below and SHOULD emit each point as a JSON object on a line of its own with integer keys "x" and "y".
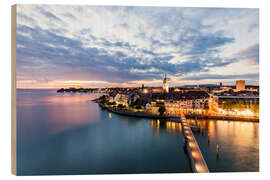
{"x": 228, "y": 118}
{"x": 136, "y": 114}
{"x": 198, "y": 116}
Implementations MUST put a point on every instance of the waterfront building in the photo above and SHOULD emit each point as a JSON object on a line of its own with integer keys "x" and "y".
{"x": 112, "y": 96}
{"x": 237, "y": 105}
{"x": 121, "y": 99}
{"x": 117, "y": 97}
{"x": 172, "y": 107}
{"x": 152, "y": 107}
{"x": 148, "y": 106}
{"x": 133, "y": 98}
{"x": 247, "y": 100}
{"x": 189, "y": 101}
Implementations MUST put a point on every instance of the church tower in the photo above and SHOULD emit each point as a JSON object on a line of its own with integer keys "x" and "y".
{"x": 166, "y": 84}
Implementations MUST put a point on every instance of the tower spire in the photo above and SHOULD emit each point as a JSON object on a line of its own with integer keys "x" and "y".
{"x": 165, "y": 83}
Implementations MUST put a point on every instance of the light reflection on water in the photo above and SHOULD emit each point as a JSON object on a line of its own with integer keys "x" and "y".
{"x": 43, "y": 112}
{"x": 238, "y": 142}
{"x": 169, "y": 126}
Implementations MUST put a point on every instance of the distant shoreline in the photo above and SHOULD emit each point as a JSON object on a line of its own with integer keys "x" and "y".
{"x": 55, "y": 89}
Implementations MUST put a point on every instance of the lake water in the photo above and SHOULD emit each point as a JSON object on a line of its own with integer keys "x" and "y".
{"x": 67, "y": 133}
{"x": 238, "y": 145}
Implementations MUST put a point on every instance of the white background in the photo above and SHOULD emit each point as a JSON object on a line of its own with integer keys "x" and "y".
{"x": 5, "y": 83}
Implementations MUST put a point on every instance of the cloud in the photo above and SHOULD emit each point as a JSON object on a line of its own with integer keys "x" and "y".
{"x": 250, "y": 54}
{"x": 124, "y": 44}
{"x": 253, "y": 27}
{"x": 47, "y": 14}
{"x": 221, "y": 77}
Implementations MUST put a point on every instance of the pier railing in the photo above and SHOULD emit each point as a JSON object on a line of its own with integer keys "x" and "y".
{"x": 197, "y": 161}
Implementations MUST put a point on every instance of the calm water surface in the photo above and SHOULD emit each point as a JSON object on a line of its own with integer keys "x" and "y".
{"x": 69, "y": 134}
{"x": 238, "y": 142}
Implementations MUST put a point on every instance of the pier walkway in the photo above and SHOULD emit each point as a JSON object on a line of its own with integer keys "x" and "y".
{"x": 197, "y": 161}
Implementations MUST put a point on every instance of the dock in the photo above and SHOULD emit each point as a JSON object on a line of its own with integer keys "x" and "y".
{"x": 198, "y": 164}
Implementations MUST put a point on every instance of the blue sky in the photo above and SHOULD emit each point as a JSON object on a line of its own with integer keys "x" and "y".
{"x": 96, "y": 46}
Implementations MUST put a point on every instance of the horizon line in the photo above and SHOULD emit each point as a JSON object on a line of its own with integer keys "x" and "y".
{"x": 53, "y": 88}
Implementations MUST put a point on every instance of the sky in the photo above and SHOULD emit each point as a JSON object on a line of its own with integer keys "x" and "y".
{"x": 113, "y": 46}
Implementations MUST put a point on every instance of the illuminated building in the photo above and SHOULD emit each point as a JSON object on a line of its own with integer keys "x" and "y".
{"x": 221, "y": 89}
{"x": 148, "y": 106}
{"x": 121, "y": 99}
{"x": 190, "y": 101}
{"x": 145, "y": 91}
{"x": 157, "y": 90}
{"x": 176, "y": 90}
{"x": 247, "y": 100}
{"x": 240, "y": 85}
{"x": 166, "y": 84}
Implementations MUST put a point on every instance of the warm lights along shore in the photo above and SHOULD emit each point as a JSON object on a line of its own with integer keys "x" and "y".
{"x": 214, "y": 102}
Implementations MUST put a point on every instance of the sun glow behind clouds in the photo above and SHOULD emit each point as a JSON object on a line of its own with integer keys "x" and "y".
{"x": 58, "y": 46}
{"x": 29, "y": 84}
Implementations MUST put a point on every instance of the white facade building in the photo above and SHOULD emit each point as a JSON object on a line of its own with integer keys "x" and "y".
{"x": 166, "y": 84}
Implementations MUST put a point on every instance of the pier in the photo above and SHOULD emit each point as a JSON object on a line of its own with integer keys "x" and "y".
{"x": 198, "y": 164}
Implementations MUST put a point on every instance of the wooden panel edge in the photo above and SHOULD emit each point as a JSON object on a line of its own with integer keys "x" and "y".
{"x": 13, "y": 91}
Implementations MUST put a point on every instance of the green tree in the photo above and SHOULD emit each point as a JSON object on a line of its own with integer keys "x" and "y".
{"x": 111, "y": 103}
{"x": 161, "y": 110}
{"x": 121, "y": 106}
{"x": 240, "y": 105}
{"x": 228, "y": 105}
{"x": 138, "y": 102}
{"x": 255, "y": 108}
{"x": 104, "y": 101}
